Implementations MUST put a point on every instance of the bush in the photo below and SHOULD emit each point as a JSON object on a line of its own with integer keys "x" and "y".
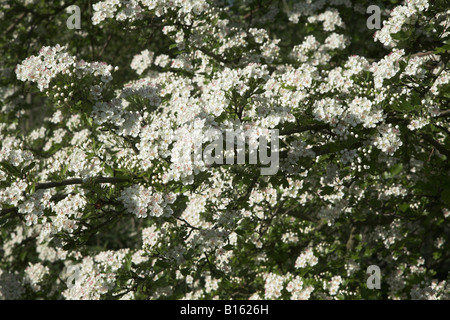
{"x": 113, "y": 177}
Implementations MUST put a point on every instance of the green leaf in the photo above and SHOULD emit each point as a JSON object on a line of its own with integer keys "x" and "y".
{"x": 396, "y": 169}
{"x": 29, "y": 167}
{"x": 189, "y": 254}
{"x": 327, "y": 190}
{"x": 445, "y": 196}
{"x": 128, "y": 264}
{"x": 287, "y": 87}
{"x": 109, "y": 170}
{"x": 443, "y": 49}
{"x": 404, "y": 206}
{"x": 64, "y": 170}
{"x": 415, "y": 98}
{"x": 437, "y": 255}
{"x": 86, "y": 119}
{"x": 162, "y": 264}
{"x": 70, "y": 246}
{"x": 23, "y": 254}
{"x": 185, "y": 271}
{"x": 9, "y": 168}
{"x": 33, "y": 188}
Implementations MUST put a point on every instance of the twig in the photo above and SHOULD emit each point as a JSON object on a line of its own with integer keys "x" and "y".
{"x": 304, "y": 128}
{"x": 54, "y": 184}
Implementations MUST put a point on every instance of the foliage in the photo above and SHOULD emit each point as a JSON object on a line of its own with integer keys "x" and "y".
{"x": 100, "y": 195}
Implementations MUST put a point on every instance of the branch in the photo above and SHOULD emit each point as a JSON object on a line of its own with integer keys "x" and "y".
{"x": 436, "y": 144}
{"x": 300, "y": 213}
{"x": 14, "y": 24}
{"x": 444, "y": 113}
{"x": 48, "y": 185}
{"x": 316, "y": 127}
{"x": 216, "y": 56}
{"x": 4, "y": 212}
{"x": 422, "y": 54}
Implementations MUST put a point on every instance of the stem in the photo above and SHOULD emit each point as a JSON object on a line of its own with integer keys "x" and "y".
{"x": 48, "y": 185}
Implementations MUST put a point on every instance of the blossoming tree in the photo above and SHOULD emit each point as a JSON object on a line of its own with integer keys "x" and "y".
{"x": 101, "y": 197}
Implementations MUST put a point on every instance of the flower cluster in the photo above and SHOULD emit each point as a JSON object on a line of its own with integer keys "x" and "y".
{"x": 142, "y": 61}
{"x": 298, "y": 290}
{"x": 273, "y": 286}
{"x": 50, "y": 62}
{"x": 35, "y": 274}
{"x": 143, "y": 201}
{"x": 94, "y": 276}
{"x": 131, "y": 10}
{"x": 399, "y": 17}
{"x": 388, "y": 138}
{"x": 307, "y": 258}
{"x": 53, "y": 61}
{"x": 387, "y": 68}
